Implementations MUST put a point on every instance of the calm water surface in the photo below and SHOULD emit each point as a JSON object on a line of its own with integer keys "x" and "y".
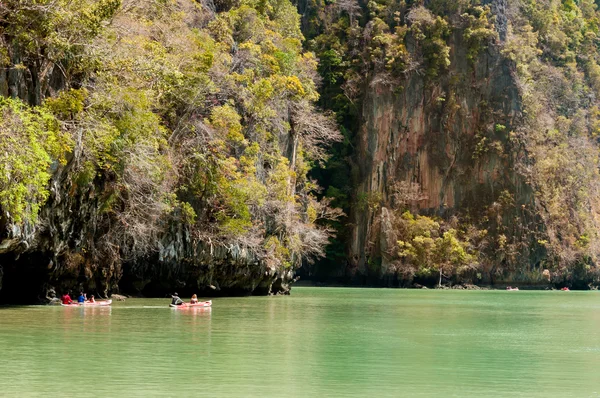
{"x": 316, "y": 342}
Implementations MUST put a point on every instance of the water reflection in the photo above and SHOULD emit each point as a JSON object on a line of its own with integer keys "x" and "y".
{"x": 193, "y": 312}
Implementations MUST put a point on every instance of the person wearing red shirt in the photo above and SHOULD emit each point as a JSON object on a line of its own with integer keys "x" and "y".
{"x": 66, "y": 299}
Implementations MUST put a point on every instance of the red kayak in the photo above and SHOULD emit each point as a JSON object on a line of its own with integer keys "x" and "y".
{"x": 201, "y": 304}
{"x": 94, "y": 304}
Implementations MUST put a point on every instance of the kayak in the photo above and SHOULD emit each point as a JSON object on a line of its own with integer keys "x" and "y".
{"x": 202, "y": 304}
{"x": 96, "y": 304}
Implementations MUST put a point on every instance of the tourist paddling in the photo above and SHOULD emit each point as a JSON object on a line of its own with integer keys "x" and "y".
{"x": 176, "y": 300}
{"x": 81, "y": 299}
{"x": 66, "y": 299}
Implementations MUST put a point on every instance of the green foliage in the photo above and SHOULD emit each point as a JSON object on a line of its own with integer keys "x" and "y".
{"x": 278, "y": 250}
{"x": 227, "y": 122}
{"x": 431, "y": 33}
{"x": 479, "y": 30}
{"x": 31, "y": 141}
{"x": 433, "y": 248}
{"x": 86, "y": 175}
{"x": 40, "y": 35}
{"x": 279, "y": 181}
{"x": 67, "y": 104}
{"x": 369, "y": 200}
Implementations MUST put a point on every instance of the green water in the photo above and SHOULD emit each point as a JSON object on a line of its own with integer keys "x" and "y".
{"x": 317, "y": 342}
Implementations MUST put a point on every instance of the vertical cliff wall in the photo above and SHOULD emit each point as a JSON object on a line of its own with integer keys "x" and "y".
{"x": 428, "y": 135}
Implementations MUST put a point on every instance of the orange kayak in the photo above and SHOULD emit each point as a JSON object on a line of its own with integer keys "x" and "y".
{"x": 95, "y": 304}
{"x": 201, "y": 304}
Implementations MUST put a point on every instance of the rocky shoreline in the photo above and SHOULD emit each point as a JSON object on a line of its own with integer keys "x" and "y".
{"x": 459, "y": 286}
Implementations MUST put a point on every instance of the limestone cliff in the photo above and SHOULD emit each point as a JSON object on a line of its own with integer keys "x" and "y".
{"x": 454, "y": 122}
{"x": 157, "y": 146}
{"x": 428, "y": 136}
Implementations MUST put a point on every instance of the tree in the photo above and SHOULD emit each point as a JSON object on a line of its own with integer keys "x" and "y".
{"x": 432, "y": 248}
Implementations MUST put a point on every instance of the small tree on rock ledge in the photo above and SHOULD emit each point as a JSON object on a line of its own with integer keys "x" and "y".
{"x": 430, "y": 249}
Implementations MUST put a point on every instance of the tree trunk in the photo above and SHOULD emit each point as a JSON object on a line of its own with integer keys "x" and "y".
{"x": 34, "y": 86}
{"x": 292, "y": 180}
{"x": 14, "y": 75}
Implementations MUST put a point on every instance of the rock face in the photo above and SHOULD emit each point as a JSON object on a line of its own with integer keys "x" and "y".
{"x": 198, "y": 267}
{"x": 204, "y": 268}
{"x": 428, "y": 135}
{"x": 189, "y": 267}
{"x": 68, "y": 250}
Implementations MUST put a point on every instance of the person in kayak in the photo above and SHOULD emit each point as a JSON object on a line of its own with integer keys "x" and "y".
{"x": 176, "y": 300}
{"x": 91, "y": 300}
{"x": 66, "y": 299}
{"x": 81, "y": 298}
{"x": 194, "y": 299}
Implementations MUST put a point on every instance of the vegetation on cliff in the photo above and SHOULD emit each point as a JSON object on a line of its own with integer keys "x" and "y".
{"x": 161, "y": 113}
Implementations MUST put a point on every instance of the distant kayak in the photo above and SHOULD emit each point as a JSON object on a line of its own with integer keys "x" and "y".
{"x": 565, "y": 289}
{"x": 202, "y": 304}
{"x": 95, "y": 304}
